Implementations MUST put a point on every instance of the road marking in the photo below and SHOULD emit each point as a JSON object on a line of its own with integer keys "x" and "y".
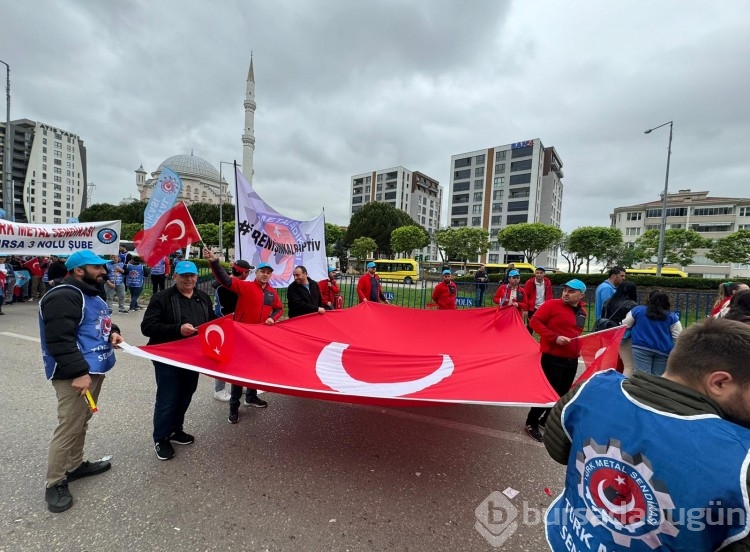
{"x": 479, "y": 430}
{"x": 19, "y": 336}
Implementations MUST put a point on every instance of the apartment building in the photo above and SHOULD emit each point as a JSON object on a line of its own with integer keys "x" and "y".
{"x": 711, "y": 217}
{"x": 48, "y": 172}
{"x": 495, "y": 187}
{"x": 411, "y": 191}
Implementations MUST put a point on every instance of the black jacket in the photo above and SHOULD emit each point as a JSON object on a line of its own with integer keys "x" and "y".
{"x": 163, "y": 318}
{"x": 301, "y": 300}
{"x": 60, "y": 312}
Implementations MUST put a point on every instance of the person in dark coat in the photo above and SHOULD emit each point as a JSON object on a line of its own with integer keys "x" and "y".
{"x": 303, "y": 294}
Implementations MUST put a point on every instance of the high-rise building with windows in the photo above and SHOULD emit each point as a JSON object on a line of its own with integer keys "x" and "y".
{"x": 495, "y": 187}
{"x": 48, "y": 172}
{"x": 711, "y": 217}
{"x": 411, "y": 191}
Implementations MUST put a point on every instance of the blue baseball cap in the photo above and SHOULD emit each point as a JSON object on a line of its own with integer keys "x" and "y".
{"x": 371, "y": 265}
{"x": 83, "y": 258}
{"x": 261, "y": 266}
{"x": 446, "y": 271}
{"x": 513, "y": 273}
{"x": 576, "y": 284}
{"x": 331, "y": 269}
{"x": 185, "y": 267}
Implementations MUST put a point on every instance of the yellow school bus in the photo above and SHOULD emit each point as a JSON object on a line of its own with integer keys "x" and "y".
{"x": 398, "y": 270}
{"x": 666, "y": 272}
{"x": 525, "y": 269}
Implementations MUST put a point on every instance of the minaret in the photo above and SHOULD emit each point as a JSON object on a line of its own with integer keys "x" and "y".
{"x": 248, "y": 137}
{"x": 140, "y": 182}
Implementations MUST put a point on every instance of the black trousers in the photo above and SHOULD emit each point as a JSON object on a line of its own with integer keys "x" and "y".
{"x": 174, "y": 391}
{"x": 560, "y": 374}
{"x": 236, "y": 393}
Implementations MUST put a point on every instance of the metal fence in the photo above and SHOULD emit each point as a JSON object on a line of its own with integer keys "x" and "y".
{"x": 690, "y": 306}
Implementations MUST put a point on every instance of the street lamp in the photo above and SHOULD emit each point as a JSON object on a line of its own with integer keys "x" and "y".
{"x": 221, "y": 207}
{"x": 663, "y": 225}
{"x": 8, "y": 199}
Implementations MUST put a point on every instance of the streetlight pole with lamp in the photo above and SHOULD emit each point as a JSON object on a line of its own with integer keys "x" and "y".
{"x": 8, "y": 199}
{"x": 663, "y": 225}
{"x": 221, "y": 206}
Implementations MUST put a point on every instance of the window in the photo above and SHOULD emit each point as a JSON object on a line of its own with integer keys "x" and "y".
{"x": 389, "y": 195}
{"x": 479, "y": 159}
{"x": 522, "y": 192}
{"x": 497, "y": 195}
{"x": 461, "y": 186}
{"x": 518, "y": 206}
{"x": 524, "y": 178}
{"x": 522, "y": 152}
{"x": 516, "y": 219}
{"x": 465, "y": 162}
{"x": 466, "y": 173}
{"x": 461, "y": 198}
{"x": 499, "y": 182}
{"x": 745, "y": 211}
{"x": 497, "y": 207}
{"x": 671, "y": 212}
{"x": 356, "y": 200}
{"x": 500, "y": 168}
{"x": 716, "y": 227}
{"x": 711, "y": 211}
{"x": 357, "y": 191}
{"x": 524, "y": 165}
{"x": 380, "y": 178}
{"x": 633, "y": 231}
{"x": 634, "y": 216}
{"x": 500, "y": 155}
{"x": 478, "y": 196}
{"x": 476, "y": 209}
{"x": 479, "y": 171}
{"x": 458, "y": 222}
{"x": 497, "y": 220}
{"x": 476, "y": 221}
{"x": 478, "y": 184}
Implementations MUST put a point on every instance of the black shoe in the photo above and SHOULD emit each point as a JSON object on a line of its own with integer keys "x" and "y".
{"x": 123, "y": 311}
{"x": 534, "y": 433}
{"x": 88, "y": 468}
{"x": 58, "y": 497}
{"x": 181, "y": 438}
{"x": 164, "y": 450}
{"x": 255, "y": 402}
{"x": 543, "y": 425}
{"x": 234, "y": 414}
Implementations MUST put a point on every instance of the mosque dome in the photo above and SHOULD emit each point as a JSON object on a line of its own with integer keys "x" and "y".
{"x": 190, "y": 165}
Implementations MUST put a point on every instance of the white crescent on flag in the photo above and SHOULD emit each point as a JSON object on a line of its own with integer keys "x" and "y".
{"x": 214, "y": 328}
{"x": 180, "y": 224}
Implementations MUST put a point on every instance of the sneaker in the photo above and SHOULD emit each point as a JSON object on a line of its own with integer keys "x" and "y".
{"x": 255, "y": 402}
{"x": 123, "y": 311}
{"x": 534, "y": 433}
{"x": 164, "y": 450}
{"x": 181, "y": 438}
{"x": 58, "y": 497}
{"x": 88, "y": 468}
{"x": 224, "y": 395}
{"x": 234, "y": 414}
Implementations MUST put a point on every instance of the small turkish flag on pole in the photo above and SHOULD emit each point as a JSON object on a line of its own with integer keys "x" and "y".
{"x": 217, "y": 338}
{"x": 600, "y": 351}
{"x": 174, "y": 230}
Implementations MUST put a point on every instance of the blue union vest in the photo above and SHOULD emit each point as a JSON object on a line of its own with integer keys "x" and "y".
{"x": 624, "y": 493}
{"x": 92, "y": 338}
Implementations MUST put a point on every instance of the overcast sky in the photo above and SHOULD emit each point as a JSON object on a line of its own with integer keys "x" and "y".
{"x": 348, "y": 87}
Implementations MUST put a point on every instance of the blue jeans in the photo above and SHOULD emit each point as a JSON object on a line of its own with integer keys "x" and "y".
{"x": 135, "y": 293}
{"x": 479, "y": 298}
{"x": 649, "y": 361}
{"x": 174, "y": 391}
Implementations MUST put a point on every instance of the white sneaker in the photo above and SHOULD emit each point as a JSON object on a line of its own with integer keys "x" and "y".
{"x": 222, "y": 395}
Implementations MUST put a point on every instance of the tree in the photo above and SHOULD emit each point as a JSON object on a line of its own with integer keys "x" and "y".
{"x": 625, "y": 255}
{"x": 593, "y": 242}
{"x": 130, "y": 229}
{"x": 334, "y": 234}
{"x": 408, "y": 238}
{"x": 377, "y": 220}
{"x": 462, "y": 243}
{"x": 530, "y": 237}
{"x": 99, "y": 212}
{"x": 734, "y": 248}
{"x": 574, "y": 261}
{"x": 209, "y": 234}
{"x": 362, "y": 247}
{"x": 680, "y": 245}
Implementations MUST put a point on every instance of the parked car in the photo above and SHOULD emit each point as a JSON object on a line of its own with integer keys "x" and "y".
{"x": 459, "y": 273}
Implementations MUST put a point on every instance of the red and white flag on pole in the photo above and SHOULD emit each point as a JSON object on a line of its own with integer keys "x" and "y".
{"x": 174, "y": 230}
{"x": 600, "y": 351}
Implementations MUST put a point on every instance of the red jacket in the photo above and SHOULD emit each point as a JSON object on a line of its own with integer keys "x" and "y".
{"x": 254, "y": 303}
{"x": 445, "y": 295}
{"x": 500, "y": 296}
{"x": 530, "y": 288}
{"x": 328, "y": 292}
{"x": 363, "y": 288}
{"x": 553, "y": 319}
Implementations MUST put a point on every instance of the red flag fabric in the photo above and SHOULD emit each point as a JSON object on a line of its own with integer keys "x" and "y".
{"x": 380, "y": 354}
{"x": 174, "y": 230}
{"x": 217, "y": 339}
{"x": 600, "y": 351}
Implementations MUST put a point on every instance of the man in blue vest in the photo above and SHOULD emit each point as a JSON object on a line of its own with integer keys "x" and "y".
{"x": 77, "y": 338}
{"x": 658, "y": 462}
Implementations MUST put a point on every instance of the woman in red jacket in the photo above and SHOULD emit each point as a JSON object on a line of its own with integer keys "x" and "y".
{"x": 329, "y": 289}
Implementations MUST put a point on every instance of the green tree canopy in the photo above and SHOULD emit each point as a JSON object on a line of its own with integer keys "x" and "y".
{"x": 575, "y": 261}
{"x": 680, "y": 245}
{"x": 408, "y": 238}
{"x": 362, "y": 247}
{"x": 377, "y": 220}
{"x": 593, "y": 242}
{"x": 129, "y": 229}
{"x": 734, "y": 248}
{"x": 209, "y": 234}
{"x": 462, "y": 244}
{"x": 334, "y": 235}
{"x": 530, "y": 237}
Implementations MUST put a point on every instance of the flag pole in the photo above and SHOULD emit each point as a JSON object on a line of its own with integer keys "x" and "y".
{"x": 237, "y": 242}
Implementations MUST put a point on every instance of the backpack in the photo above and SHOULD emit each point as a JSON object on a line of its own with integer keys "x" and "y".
{"x": 605, "y": 323}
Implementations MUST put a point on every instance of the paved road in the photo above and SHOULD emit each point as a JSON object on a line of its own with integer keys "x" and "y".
{"x": 301, "y": 475}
